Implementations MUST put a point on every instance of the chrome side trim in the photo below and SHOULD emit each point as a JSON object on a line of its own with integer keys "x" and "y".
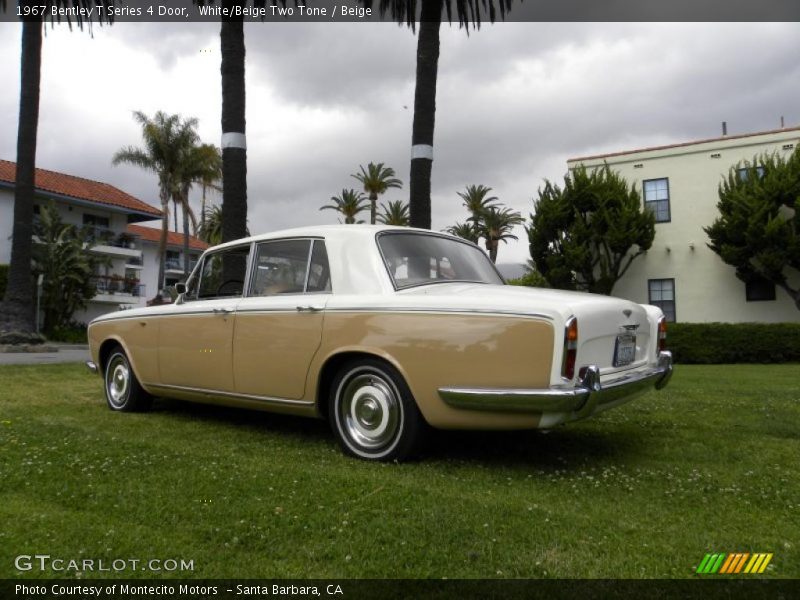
{"x": 93, "y": 368}
{"x": 581, "y": 401}
{"x": 353, "y": 309}
{"x": 219, "y": 393}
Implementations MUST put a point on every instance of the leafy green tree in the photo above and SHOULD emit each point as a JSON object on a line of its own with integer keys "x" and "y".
{"x": 466, "y": 231}
{"x": 67, "y": 269}
{"x": 16, "y": 308}
{"x": 349, "y": 203}
{"x": 586, "y": 235}
{"x": 496, "y": 225}
{"x": 758, "y": 230}
{"x": 430, "y": 14}
{"x": 376, "y": 179}
{"x": 394, "y": 213}
{"x": 168, "y": 141}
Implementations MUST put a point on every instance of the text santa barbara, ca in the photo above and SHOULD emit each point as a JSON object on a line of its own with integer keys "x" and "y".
{"x": 153, "y": 12}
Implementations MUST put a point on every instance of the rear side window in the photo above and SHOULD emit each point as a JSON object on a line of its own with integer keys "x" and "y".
{"x": 290, "y": 267}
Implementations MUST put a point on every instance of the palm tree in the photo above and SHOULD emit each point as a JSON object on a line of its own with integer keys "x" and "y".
{"x": 376, "y": 179}
{"x": 167, "y": 141}
{"x": 349, "y": 203}
{"x": 394, "y": 213}
{"x": 496, "y": 226}
{"x": 405, "y": 12}
{"x": 476, "y": 202}
{"x": 467, "y": 231}
{"x": 211, "y": 225}
{"x": 199, "y": 164}
{"x": 211, "y": 174}
{"x": 16, "y": 308}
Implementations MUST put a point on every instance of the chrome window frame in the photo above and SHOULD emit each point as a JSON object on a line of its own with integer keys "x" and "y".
{"x": 251, "y": 271}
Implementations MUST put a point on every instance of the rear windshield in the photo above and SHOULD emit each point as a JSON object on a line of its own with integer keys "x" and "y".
{"x": 418, "y": 259}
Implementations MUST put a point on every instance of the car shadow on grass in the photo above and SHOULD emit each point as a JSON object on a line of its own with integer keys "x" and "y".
{"x": 565, "y": 448}
{"x": 571, "y": 447}
{"x": 241, "y": 418}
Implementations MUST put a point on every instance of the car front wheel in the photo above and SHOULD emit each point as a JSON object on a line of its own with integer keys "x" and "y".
{"x": 373, "y": 413}
{"x": 123, "y": 391}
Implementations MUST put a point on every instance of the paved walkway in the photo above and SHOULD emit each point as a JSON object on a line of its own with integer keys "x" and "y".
{"x": 65, "y": 354}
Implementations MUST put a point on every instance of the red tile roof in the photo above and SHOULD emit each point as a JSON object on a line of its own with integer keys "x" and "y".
{"x": 683, "y": 144}
{"x": 151, "y": 234}
{"x": 79, "y": 188}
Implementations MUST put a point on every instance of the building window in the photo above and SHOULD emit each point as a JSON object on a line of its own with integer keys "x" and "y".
{"x": 743, "y": 172}
{"x": 656, "y": 198}
{"x": 661, "y": 293}
{"x": 759, "y": 289}
{"x": 95, "y": 221}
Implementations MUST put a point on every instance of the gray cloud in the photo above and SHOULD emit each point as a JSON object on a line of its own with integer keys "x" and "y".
{"x": 514, "y": 101}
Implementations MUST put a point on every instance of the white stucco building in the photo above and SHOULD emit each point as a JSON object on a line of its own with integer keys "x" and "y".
{"x": 110, "y": 215}
{"x": 680, "y": 272}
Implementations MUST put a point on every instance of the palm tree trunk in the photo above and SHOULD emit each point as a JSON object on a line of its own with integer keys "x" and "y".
{"x": 185, "y": 203}
{"x": 373, "y": 201}
{"x": 162, "y": 243}
{"x": 17, "y": 311}
{"x": 234, "y": 146}
{"x": 424, "y": 114}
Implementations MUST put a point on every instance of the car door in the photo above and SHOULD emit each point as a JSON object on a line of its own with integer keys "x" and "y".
{"x": 279, "y": 323}
{"x": 195, "y": 347}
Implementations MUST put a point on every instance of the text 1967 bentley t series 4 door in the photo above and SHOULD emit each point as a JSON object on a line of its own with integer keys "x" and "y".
{"x": 384, "y": 331}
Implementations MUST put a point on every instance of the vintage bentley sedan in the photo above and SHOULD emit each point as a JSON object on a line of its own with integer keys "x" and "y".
{"x": 384, "y": 331}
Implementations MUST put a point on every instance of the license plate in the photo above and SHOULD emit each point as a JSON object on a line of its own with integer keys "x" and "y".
{"x": 625, "y": 350}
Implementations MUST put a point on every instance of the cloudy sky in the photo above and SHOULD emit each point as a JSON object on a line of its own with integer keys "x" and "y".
{"x": 515, "y": 100}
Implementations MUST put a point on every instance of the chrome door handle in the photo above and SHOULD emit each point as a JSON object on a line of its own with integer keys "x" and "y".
{"x": 309, "y": 308}
{"x": 222, "y": 311}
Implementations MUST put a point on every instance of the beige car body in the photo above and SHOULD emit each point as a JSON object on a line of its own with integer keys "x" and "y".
{"x": 279, "y": 353}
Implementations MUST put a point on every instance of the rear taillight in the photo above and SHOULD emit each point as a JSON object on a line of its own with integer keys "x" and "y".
{"x": 570, "y": 348}
{"x": 662, "y": 334}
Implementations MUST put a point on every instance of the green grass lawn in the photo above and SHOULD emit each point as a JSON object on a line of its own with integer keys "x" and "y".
{"x": 708, "y": 465}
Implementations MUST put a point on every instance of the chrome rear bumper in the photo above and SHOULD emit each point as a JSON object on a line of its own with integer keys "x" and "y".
{"x": 582, "y": 400}
{"x": 92, "y": 367}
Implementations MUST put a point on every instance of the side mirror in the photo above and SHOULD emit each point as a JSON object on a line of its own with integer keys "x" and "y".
{"x": 180, "y": 287}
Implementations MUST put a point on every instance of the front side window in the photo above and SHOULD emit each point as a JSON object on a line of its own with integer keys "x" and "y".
{"x": 656, "y": 198}
{"x": 661, "y": 293}
{"x": 419, "y": 259}
{"x": 221, "y": 276}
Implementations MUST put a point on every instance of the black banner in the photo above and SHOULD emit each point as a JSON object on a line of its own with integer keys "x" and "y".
{"x": 274, "y": 11}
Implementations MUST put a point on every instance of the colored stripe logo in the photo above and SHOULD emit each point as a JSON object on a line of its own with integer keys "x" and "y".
{"x": 737, "y": 562}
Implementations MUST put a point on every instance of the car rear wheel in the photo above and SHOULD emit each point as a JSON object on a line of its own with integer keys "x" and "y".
{"x": 123, "y": 391}
{"x": 373, "y": 414}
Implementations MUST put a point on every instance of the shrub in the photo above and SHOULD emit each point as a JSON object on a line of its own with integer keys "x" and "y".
{"x": 73, "y": 333}
{"x": 721, "y": 343}
{"x": 530, "y": 279}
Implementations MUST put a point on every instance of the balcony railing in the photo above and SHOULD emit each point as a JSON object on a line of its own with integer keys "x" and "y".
{"x": 135, "y": 260}
{"x": 106, "y": 237}
{"x": 118, "y": 285}
{"x": 176, "y": 264}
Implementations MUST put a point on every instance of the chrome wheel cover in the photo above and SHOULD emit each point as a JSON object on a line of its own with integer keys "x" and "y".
{"x": 118, "y": 381}
{"x": 370, "y": 412}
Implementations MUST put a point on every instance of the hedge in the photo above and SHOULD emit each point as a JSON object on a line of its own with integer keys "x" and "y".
{"x": 725, "y": 343}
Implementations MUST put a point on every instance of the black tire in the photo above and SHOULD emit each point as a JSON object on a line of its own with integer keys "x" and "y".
{"x": 122, "y": 388}
{"x": 373, "y": 414}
